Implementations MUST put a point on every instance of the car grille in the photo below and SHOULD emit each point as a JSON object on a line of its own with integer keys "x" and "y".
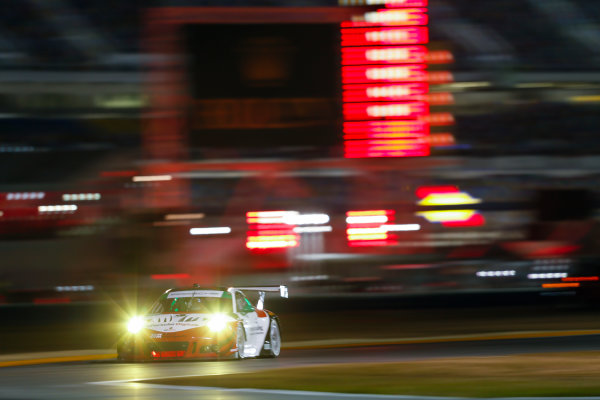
{"x": 170, "y": 346}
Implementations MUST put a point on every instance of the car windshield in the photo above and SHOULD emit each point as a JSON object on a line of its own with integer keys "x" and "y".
{"x": 190, "y": 303}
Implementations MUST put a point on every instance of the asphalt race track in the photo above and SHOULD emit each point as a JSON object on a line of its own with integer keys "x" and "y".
{"x": 112, "y": 380}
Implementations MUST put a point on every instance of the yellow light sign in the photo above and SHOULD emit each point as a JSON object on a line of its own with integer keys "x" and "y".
{"x": 448, "y": 199}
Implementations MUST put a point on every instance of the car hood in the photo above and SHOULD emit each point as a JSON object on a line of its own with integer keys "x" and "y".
{"x": 175, "y": 322}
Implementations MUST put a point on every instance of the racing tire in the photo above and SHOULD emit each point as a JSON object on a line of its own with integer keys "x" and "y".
{"x": 240, "y": 339}
{"x": 274, "y": 339}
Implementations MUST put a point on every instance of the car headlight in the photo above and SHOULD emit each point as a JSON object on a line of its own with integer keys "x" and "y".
{"x": 135, "y": 324}
{"x": 217, "y": 322}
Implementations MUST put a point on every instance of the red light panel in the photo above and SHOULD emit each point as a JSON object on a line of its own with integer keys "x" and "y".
{"x": 370, "y": 74}
{"x": 369, "y": 213}
{"x": 399, "y": 16}
{"x": 366, "y": 129}
{"x": 384, "y": 36}
{"x": 476, "y": 220}
{"x": 391, "y": 17}
{"x": 425, "y": 191}
{"x": 271, "y": 242}
{"x": 365, "y": 228}
{"x": 384, "y": 148}
{"x": 580, "y": 279}
{"x": 368, "y": 243}
{"x": 384, "y": 77}
{"x": 267, "y": 217}
{"x": 384, "y": 55}
{"x": 388, "y": 110}
{"x": 267, "y": 230}
{"x": 406, "y": 3}
{"x": 386, "y": 91}
{"x": 51, "y": 300}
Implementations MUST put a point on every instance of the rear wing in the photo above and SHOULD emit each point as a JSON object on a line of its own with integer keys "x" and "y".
{"x": 282, "y": 289}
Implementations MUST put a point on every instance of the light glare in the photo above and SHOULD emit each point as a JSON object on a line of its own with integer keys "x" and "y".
{"x": 367, "y": 219}
{"x": 217, "y": 322}
{"x": 312, "y": 229}
{"x": 305, "y": 219}
{"x": 135, "y": 324}
{"x": 219, "y": 230}
{"x": 152, "y": 178}
{"x": 401, "y": 227}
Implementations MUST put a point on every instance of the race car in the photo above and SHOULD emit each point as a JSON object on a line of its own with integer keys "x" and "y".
{"x": 198, "y": 322}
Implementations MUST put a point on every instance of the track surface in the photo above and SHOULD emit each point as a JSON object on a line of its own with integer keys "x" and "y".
{"x": 110, "y": 380}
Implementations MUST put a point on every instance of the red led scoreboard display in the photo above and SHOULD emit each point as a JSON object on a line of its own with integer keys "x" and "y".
{"x": 351, "y": 78}
{"x": 385, "y": 82}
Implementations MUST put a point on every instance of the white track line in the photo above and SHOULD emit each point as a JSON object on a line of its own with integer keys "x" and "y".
{"x": 132, "y": 383}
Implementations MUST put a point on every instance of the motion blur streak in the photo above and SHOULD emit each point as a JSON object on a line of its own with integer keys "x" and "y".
{"x": 401, "y": 227}
{"x": 560, "y": 285}
{"x": 447, "y": 199}
{"x": 409, "y": 16}
{"x": 271, "y": 230}
{"x": 580, "y": 279}
{"x": 170, "y": 217}
{"x": 219, "y": 230}
{"x": 152, "y": 178}
{"x": 367, "y": 227}
{"x": 312, "y": 229}
{"x": 271, "y": 242}
{"x": 367, "y": 219}
{"x": 404, "y": 80}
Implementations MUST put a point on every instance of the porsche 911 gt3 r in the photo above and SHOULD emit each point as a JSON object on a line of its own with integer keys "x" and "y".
{"x": 204, "y": 323}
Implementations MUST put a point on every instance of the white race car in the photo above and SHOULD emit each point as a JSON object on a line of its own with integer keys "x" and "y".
{"x": 197, "y": 322}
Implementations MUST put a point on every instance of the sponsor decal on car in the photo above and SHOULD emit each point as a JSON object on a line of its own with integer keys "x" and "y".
{"x": 175, "y": 322}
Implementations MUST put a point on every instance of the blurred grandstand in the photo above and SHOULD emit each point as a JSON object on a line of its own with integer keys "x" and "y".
{"x": 74, "y": 87}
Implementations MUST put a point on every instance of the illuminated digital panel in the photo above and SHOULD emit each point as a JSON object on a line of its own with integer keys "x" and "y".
{"x": 384, "y": 55}
{"x": 385, "y": 89}
{"x": 271, "y": 230}
{"x": 383, "y": 36}
{"x": 400, "y": 3}
{"x": 397, "y": 16}
{"x": 368, "y": 228}
{"x": 370, "y": 74}
{"x": 383, "y": 92}
{"x": 387, "y": 3}
{"x": 449, "y": 195}
{"x": 362, "y": 111}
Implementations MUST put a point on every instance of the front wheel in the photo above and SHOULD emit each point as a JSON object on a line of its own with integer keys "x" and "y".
{"x": 273, "y": 341}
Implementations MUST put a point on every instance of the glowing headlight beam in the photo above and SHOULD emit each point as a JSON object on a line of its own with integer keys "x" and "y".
{"x": 135, "y": 324}
{"x": 217, "y": 322}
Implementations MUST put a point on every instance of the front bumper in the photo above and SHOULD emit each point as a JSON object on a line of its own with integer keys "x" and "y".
{"x": 142, "y": 347}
